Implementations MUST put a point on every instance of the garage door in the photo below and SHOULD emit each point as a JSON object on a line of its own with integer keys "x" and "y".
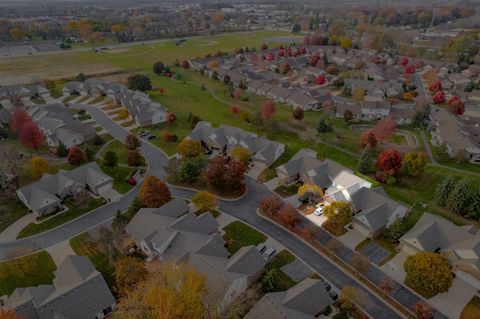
{"x": 104, "y": 188}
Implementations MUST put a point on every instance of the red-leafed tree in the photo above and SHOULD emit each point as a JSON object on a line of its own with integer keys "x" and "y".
{"x": 132, "y": 142}
{"x": 298, "y": 113}
{"x": 19, "y": 119}
{"x": 270, "y": 205}
{"x": 316, "y": 38}
{"x": 390, "y": 161}
{"x": 403, "y": 61}
{"x": 410, "y": 69}
{"x": 237, "y": 94}
{"x": 270, "y": 57}
{"x": 435, "y": 87}
{"x": 268, "y": 109}
{"x": 227, "y": 176}
{"x": 332, "y": 69}
{"x": 385, "y": 128}
{"x": 254, "y": 58}
{"x": 234, "y": 109}
{"x": 320, "y": 80}
{"x": 314, "y": 59}
{"x": 31, "y": 136}
{"x": 281, "y": 53}
{"x": 185, "y": 64}
{"x": 456, "y": 105}
{"x": 288, "y": 216}
{"x": 439, "y": 97}
{"x": 302, "y": 51}
{"x": 166, "y": 136}
{"x": 264, "y": 47}
{"x": 286, "y": 67}
{"x": 369, "y": 138}
{"x": 134, "y": 158}
{"x": 76, "y": 156}
{"x": 171, "y": 118}
{"x": 306, "y": 40}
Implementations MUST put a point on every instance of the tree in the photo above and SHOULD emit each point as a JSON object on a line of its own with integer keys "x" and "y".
{"x": 395, "y": 231}
{"x": 154, "y": 193}
{"x": 369, "y": 138}
{"x": 37, "y": 166}
{"x": 428, "y": 270}
{"x": 414, "y": 163}
{"x": 360, "y": 263}
{"x": 158, "y": 67}
{"x": 458, "y": 198}
{"x": 10, "y": 313}
{"x": 175, "y": 291}
{"x": 18, "y": 119}
{"x": 224, "y": 175}
{"x": 270, "y": 281}
{"x": 268, "y": 110}
{"x": 139, "y": 82}
{"x": 298, "y": 113}
{"x": 76, "y": 156}
{"x": 234, "y": 109}
{"x": 422, "y": 310}
{"x": 204, "y": 201}
{"x": 17, "y": 33}
{"x": 110, "y": 159}
{"x": 132, "y": 142}
{"x": 456, "y": 105}
{"x": 323, "y": 126}
{"x": 473, "y": 208}
{"x": 390, "y": 161}
{"x": 31, "y": 136}
{"x": 241, "y": 154}
{"x": 385, "y": 128}
{"x": 346, "y": 43}
{"x": 123, "y": 114}
{"x": 348, "y": 296}
{"x": 332, "y": 69}
{"x": 171, "y": 118}
{"x": 185, "y": 64}
{"x": 386, "y": 285}
{"x": 365, "y": 162}
{"x": 348, "y": 115}
{"x": 288, "y": 216}
{"x": 129, "y": 272}
{"x": 439, "y": 97}
{"x": 435, "y": 87}
{"x": 166, "y": 136}
{"x": 339, "y": 213}
{"x": 191, "y": 168}
{"x": 189, "y": 148}
{"x": 443, "y": 190}
{"x": 134, "y": 158}
{"x": 270, "y": 206}
{"x": 311, "y": 193}
{"x": 62, "y": 150}
{"x": 10, "y": 163}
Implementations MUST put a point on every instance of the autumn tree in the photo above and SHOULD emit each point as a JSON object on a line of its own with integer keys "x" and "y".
{"x": 171, "y": 118}
{"x": 10, "y": 313}
{"x": 154, "y": 193}
{"x": 320, "y": 80}
{"x": 110, "y": 159}
{"x": 422, "y": 310}
{"x": 158, "y": 67}
{"x": 129, "y": 272}
{"x": 346, "y": 43}
{"x": 347, "y": 298}
{"x": 298, "y": 113}
{"x": 369, "y": 138}
{"x": 175, "y": 291}
{"x": 18, "y": 119}
{"x": 134, "y": 158}
{"x": 390, "y": 161}
{"x": 189, "y": 148}
{"x": 37, "y": 166}
{"x": 435, "y": 87}
{"x": 456, "y": 105}
{"x": 204, "y": 201}
{"x": 132, "y": 142}
{"x": 358, "y": 94}
{"x": 224, "y": 175}
{"x": 122, "y": 114}
{"x": 339, "y": 213}
{"x": 288, "y": 216}
{"x": 31, "y": 136}
{"x": 439, "y": 97}
{"x": 241, "y": 154}
{"x": 385, "y": 128}
{"x": 310, "y": 192}
{"x": 234, "y": 109}
{"x": 414, "y": 163}
{"x": 270, "y": 205}
{"x": 268, "y": 109}
{"x": 360, "y": 263}
{"x": 76, "y": 156}
{"x": 428, "y": 270}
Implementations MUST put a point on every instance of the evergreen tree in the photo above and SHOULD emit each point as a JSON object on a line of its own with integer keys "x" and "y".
{"x": 365, "y": 161}
{"x": 62, "y": 150}
{"x": 443, "y": 190}
{"x": 89, "y": 153}
{"x": 457, "y": 200}
{"x": 473, "y": 209}
{"x": 323, "y": 126}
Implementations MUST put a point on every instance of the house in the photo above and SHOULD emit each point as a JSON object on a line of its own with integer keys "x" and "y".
{"x": 306, "y": 300}
{"x": 264, "y": 88}
{"x": 457, "y": 133}
{"x": 302, "y": 100}
{"x": 78, "y": 292}
{"x": 173, "y": 234}
{"x": 142, "y": 110}
{"x": 29, "y": 91}
{"x": 224, "y": 138}
{"x": 46, "y": 195}
{"x": 460, "y": 244}
{"x": 279, "y": 93}
{"x": 58, "y": 125}
{"x": 374, "y": 110}
{"x": 374, "y": 211}
{"x": 341, "y": 108}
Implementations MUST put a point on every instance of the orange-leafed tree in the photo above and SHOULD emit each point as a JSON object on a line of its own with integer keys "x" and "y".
{"x": 270, "y": 205}
{"x": 171, "y": 118}
{"x": 154, "y": 193}
{"x": 10, "y": 314}
{"x": 134, "y": 158}
{"x": 31, "y": 136}
{"x": 129, "y": 272}
{"x": 76, "y": 156}
{"x": 288, "y": 216}
{"x": 390, "y": 161}
{"x": 369, "y": 138}
{"x": 37, "y": 166}
{"x": 189, "y": 148}
{"x": 268, "y": 109}
{"x": 132, "y": 142}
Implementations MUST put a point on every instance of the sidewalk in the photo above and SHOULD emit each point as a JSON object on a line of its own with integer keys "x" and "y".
{"x": 10, "y": 234}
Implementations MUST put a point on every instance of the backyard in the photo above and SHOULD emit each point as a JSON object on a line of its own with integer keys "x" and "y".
{"x": 238, "y": 235}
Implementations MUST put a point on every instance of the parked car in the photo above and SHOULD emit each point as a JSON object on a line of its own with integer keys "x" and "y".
{"x": 327, "y": 285}
{"x": 268, "y": 253}
{"x": 150, "y": 136}
{"x": 319, "y": 210}
{"x": 333, "y": 295}
{"x": 261, "y": 247}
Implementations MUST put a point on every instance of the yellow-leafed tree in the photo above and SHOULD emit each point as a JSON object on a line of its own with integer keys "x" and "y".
{"x": 204, "y": 201}
{"x": 189, "y": 148}
{"x": 154, "y": 193}
{"x": 428, "y": 270}
{"x": 37, "y": 166}
{"x": 241, "y": 154}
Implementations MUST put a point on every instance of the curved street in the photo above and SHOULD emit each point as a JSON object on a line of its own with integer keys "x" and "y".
{"x": 244, "y": 210}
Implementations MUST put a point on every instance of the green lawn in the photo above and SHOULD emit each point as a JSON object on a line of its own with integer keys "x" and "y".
{"x": 11, "y": 209}
{"x": 12, "y": 275}
{"x": 390, "y": 247}
{"x": 120, "y": 176}
{"x": 119, "y": 149}
{"x": 69, "y": 98}
{"x": 287, "y": 191}
{"x": 238, "y": 235}
{"x": 74, "y": 210}
{"x": 97, "y": 100}
{"x": 84, "y": 245}
{"x": 283, "y": 282}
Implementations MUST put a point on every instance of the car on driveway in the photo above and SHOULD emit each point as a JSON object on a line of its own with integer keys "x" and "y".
{"x": 268, "y": 253}
{"x": 333, "y": 295}
{"x": 327, "y": 285}
{"x": 319, "y": 209}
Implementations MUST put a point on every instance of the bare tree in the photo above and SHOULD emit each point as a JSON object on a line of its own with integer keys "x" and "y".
{"x": 360, "y": 263}
{"x": 10, "y": 164}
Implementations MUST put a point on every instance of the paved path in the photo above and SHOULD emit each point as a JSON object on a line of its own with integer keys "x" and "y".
{"x": 10, "y": 234}
{"x": 427, "y": 148}
{"x": 244, "y": 210}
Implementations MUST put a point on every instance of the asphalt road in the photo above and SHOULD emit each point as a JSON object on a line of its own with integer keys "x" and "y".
{"x": 244, "y": 209}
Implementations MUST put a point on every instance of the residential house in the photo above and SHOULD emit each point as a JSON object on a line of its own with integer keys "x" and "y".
{"x": 78, "y": 292}
{"x": 302, "y": 100}
{"x": 460, "y": 244}
{"x": 306, "y": 300}
{"x": 58, "y": 125}
{"x": 46, "y": 195}
{"x": 375, "y": 110}
{"x": 279, "y": 93}
{"x": 143, "y": 111}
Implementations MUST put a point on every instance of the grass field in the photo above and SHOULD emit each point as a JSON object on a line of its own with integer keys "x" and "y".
{"x": 12, "y": 276}
{"x": 238, "y": 235}
{"x": 282, "y": 281}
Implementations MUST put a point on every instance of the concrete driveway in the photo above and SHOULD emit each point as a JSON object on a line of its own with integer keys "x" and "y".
{"x": 256, "y": 170}
{"x": 454, "y": 300}
{"x": 352, "y": 238}
{"x": 111, "y": 195}
{"x": 394, "y": 268}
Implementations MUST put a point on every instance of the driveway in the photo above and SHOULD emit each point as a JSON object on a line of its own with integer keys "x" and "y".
{"x": 352, "y": 238}
{"x": 394, "y": 267}
{"x": 454, "y": 300}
